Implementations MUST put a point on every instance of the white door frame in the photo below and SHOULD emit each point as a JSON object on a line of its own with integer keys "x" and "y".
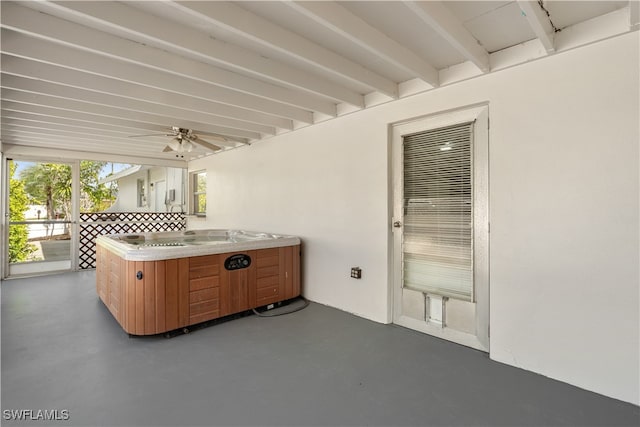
{"x": 160, "y": 205}
{"x": 480, "y": 160}
{"x": 37, "y": 267}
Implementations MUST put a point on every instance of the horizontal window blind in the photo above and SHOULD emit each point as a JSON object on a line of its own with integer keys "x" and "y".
{"x": 438, "y": 212}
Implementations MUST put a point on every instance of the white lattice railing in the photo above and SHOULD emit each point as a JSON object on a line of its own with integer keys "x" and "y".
{"x": 93, "y": 225}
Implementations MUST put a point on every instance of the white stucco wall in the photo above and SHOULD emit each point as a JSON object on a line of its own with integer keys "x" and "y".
{"x": 564, "y": 193}
{"x": 172, "y": 178}
{"x": 127, "y": 200}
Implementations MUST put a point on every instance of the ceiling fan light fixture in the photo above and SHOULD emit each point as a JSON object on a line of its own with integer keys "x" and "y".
{"x": 175, "y": 145}
{"x": 181, "y": 145}
{"x": 185, "y": 141}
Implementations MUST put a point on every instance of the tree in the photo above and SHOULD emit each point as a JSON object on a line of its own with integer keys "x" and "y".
{"x": 19, "y": 246}
{"x": 50, "y": 184}
{"x": 91, "y": 189}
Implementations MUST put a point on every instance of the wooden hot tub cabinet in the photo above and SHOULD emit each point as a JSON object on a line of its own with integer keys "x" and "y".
{"x": 152, "y": 297}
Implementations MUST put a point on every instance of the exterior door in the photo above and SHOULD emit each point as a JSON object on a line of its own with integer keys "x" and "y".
{"x": 440, "y": 226}
{"x": 160, "y": 190}
{"x": 41, "y": 213}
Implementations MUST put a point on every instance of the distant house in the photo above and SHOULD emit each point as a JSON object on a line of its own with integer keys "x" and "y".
{"x": 149, "y": 189}
{"x": 36, "y": 212}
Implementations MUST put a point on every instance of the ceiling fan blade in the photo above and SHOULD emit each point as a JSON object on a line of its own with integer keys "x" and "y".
{"x": 206, "y": 144}
{"x": 228, "y": 139}
{"x": 215, "y": 137}
{"x": 149, "y": 134}
{"x": 167, "y": 149}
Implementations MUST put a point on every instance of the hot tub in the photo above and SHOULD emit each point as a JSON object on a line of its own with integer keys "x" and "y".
{"x": 158, "y": 282}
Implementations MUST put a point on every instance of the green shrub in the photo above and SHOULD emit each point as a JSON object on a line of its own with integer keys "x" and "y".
{"x": 19, "y": 246}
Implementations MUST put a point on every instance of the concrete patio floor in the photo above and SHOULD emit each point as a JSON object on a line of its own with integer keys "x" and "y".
{"x": 62, "y": 350}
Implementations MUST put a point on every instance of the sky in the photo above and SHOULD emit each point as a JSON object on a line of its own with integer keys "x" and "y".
{"x": 117, "y": 167}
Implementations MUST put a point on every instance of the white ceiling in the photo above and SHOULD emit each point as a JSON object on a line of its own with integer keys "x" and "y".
{"x": 84, "y": 76}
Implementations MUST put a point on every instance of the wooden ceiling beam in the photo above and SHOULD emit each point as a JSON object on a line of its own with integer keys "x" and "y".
{"x": 133, "y": 24}
{"x": 73, "y": 152}
{"x": 34, "y": 116}
{"x": 117, "y": 113}
{"x": 259, "y": 30}
{"x": 441, "y": 20}
{"x": 30, "y": 84}
{"x": 82, "y": 117}
{"x": 47, "y": 27}
{"x": 539, "y": 23}
{"x": 338, "y": 19}
{"x": 92, "y": 63}
{"x": 634, "y": 15}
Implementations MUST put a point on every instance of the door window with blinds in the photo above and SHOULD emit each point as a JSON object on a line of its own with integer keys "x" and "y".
{"x": 438, "y": 211}
{"x": 440, "y": 225}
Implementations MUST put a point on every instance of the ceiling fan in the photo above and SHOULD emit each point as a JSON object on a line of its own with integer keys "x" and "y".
{"x": 183, "y": 140}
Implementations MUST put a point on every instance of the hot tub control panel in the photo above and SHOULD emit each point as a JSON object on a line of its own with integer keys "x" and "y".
{"x": 236, "y": 262}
